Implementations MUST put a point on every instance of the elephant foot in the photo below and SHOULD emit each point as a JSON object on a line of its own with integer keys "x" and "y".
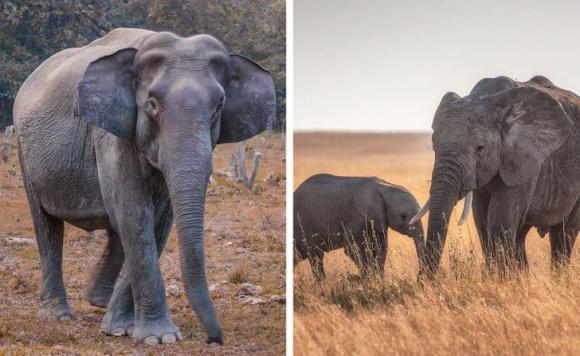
{"x": 159, "y": 331}
{"x": 117, "y": 323}
{"x": 218, "y": 338}
{"x": 58, "y": 311}
{"x": 97, "y": 297}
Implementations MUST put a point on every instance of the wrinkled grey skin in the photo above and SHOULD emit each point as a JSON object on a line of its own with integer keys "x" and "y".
{"x": 516, "y": 146}
{"x": 118, "y": 135}
{"x": 332, "y": 212}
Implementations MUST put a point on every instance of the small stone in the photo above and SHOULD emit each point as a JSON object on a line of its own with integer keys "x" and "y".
{"x": 218, "y": 290}
{"x": 173, "y": 290}
{"x": 252, "y": 300}
{"x": 250, "y": 289}
{"x": 281, "y": 299}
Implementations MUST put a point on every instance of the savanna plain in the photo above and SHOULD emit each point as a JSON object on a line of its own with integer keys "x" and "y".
{"x": 245, "y": 231}
{"x": 463, "y": 311}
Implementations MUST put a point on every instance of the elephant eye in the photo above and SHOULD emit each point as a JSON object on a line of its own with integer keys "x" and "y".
{"x": 152, "y": 107}
{"x": 403, "y": 217}
{"x": 479, "y": 148}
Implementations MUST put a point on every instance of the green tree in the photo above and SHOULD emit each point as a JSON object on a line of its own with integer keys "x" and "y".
{"x": 33, "y": 30}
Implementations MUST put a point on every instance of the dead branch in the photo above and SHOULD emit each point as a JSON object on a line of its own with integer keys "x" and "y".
{"x": 239, "y": 167}
{"x": 7, "y": 143}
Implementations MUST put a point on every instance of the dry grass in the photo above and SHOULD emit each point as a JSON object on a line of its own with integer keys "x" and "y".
{"x": 462, "y": 312}
{"x": 236, "y": 235}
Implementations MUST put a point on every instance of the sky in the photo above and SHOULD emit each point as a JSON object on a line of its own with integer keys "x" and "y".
{"x": 381, "y": 65}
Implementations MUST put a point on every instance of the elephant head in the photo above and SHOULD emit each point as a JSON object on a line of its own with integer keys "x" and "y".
{"x": 401, "y": 207}
{"x": 506, "y": 135}
{"x": 176, "y": 98}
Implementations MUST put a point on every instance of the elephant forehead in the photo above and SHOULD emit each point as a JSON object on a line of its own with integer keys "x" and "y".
{"x": 182, "y": 59}
{"x": 194, "y": 46}
{"x": 188, "y": 63}
{"x": 464, "y": 115}
{"x": 450, "y": 137}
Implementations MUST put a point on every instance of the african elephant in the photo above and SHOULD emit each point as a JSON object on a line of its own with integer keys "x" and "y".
{"x": 118, "y": 135}
{"x": 332, "y": 212}
{"x": 514, "y": 146}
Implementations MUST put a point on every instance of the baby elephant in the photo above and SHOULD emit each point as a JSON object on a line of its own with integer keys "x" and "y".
{"x": 332, "y": 212}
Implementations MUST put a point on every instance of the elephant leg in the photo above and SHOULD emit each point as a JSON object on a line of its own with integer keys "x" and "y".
{"x": 120, "y": 317}
{"x": 479, "y": 207}
{"x": 49, "y": 237}
{"x": 316, "y": 259}
{"x": 380, "y": 259}
{"x": 132, "y": 211}
{"x": 506, "y": 213}
{"x": 378, "y": 253}
{"x": 520, "y": 253}
{"x": 357, "y": 247}
{"x": 100, "y": 288}
{"x": 354, "y": 253}
{"x": 562, "y": 239}
{"x": 139, "y": 298}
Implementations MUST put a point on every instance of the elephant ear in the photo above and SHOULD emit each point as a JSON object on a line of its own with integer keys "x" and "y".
{"x": 250, "y": 105}
{"x": 106, "y": 96}
{"x": 448, "y": 99}
{"x": 534, "y": 125}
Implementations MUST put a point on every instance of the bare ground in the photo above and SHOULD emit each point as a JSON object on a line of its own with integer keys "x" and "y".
{"x": 244, "y": 243}
{"x": 462, "y": 312}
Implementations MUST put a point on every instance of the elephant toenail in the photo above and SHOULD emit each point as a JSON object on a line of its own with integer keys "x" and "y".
{"x": 179, "y": 335}
{"x": 65, "y": 317}
{"x": 119, "y": 332}
{"x": 168, "y": 339}
{"x": 130, "y": 330}
{"x": 151, "y": 340}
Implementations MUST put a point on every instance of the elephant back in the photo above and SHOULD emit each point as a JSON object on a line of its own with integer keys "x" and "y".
{"x": 569, "y": 100}
{"x": 55, "y": 81}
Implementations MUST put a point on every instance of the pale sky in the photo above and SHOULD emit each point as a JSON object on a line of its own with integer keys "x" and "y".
{"x": 372, "y": 65}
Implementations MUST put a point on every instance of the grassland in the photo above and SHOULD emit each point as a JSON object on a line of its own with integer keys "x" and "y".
{"x": 244, "y": 244}
{"x": 461, "y": 312}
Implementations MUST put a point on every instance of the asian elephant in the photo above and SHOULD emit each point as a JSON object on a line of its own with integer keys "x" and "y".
{"x": 514, "y": 148}
{"x": 332, "y": 212}
{"x": 118, "y": 135}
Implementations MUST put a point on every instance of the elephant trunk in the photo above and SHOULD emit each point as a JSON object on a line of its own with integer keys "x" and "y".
{"x": 419, "y": 240}
{"x": 445, "y": 189}
{"x": 187, "y": 172}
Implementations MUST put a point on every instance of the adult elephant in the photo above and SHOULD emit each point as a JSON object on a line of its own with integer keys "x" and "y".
{"x": 515, "y": 146}
{"x": 118, "y": 135}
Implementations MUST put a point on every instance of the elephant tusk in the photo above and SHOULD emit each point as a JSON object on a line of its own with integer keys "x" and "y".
{"x": 421, "y": 212}
{"x": 466, "y": 207}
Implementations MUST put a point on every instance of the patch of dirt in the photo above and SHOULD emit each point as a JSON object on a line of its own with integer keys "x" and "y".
{"x": 244, "y": 231}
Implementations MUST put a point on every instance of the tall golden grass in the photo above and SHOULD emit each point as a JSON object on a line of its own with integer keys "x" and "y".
{"x": 461, "y": 312}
